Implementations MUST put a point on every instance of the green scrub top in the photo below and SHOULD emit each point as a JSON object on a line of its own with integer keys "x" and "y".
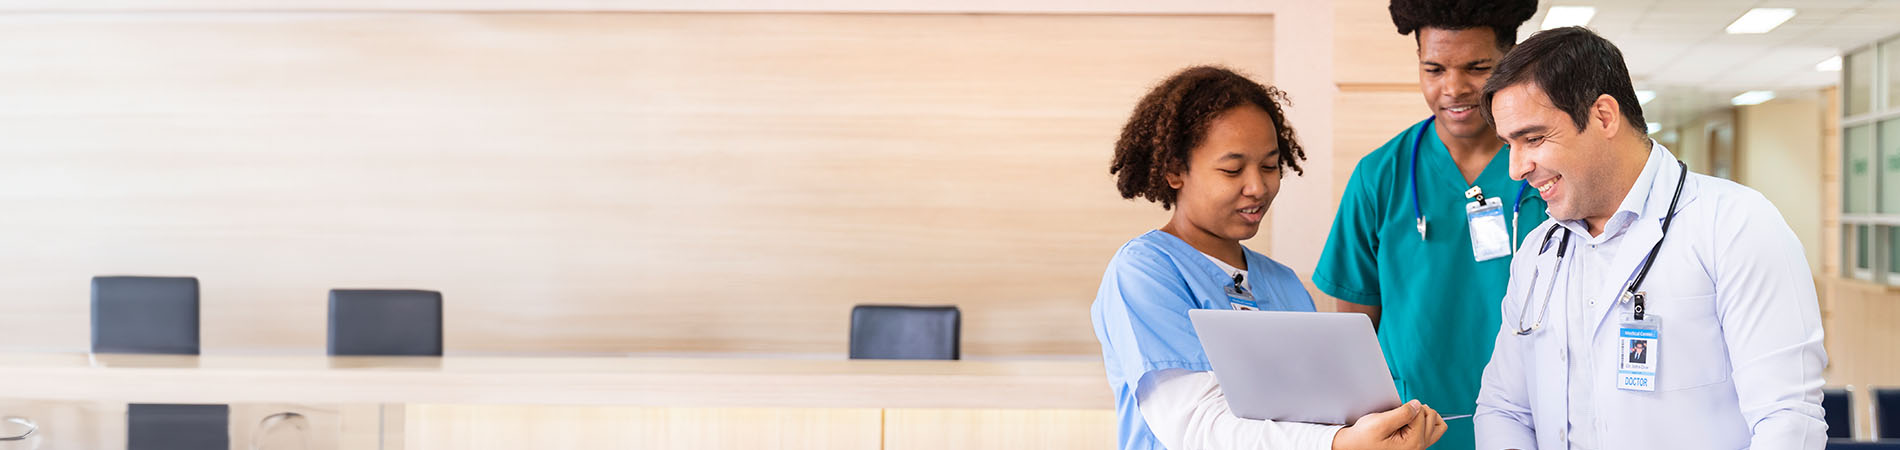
{"x": 1438, "y": 306}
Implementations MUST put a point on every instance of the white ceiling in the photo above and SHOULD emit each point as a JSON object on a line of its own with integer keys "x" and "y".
{"x": 1669, "y": 43}
{"x": 1680, "y": 47}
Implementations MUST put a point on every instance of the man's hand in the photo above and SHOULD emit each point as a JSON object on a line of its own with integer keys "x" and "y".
{"x": 1411, "y": 426}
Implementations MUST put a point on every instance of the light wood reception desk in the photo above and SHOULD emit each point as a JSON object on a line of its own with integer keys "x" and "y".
{"x": 466, "y": 402}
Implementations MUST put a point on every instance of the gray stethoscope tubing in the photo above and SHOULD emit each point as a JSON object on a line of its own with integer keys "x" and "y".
{"x": 1556, "y": 267}
{"x": 1630, "y": 287}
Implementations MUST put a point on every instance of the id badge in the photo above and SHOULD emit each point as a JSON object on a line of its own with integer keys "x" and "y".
{"x": 1640, "y": 342}
{"x": 1490, "y": 236}
{"x": 1241, "y": 300}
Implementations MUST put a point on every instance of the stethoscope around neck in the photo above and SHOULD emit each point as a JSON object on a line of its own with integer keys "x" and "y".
{"x": 1630, "y": 293}
{"x": 1418, "y": 212}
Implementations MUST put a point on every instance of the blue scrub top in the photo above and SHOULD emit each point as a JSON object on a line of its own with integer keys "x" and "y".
{"x": 1141, "y": 314}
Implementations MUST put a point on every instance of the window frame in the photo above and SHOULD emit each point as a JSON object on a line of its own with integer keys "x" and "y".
{"x": 1878, "y": 244}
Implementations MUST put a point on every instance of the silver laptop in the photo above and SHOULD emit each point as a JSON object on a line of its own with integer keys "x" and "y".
{"x": 1296, "y": 366}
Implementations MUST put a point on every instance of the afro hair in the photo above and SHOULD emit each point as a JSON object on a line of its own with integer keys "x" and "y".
{"x": 1173, "y": 119}
{"x": 1502, "y": 16}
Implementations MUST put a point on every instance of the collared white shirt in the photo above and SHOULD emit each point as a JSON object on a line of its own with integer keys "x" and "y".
{"x": 1592, "y": 256}
{"x": 1735, "y": 299}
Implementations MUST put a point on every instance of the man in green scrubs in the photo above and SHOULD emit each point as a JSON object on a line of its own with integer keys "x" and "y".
{"x": 1405, "y": 249}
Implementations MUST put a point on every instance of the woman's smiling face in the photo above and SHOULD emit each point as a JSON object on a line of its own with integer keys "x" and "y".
{"x": 1232, "y": 176}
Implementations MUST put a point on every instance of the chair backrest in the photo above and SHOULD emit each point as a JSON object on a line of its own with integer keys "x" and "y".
{"x": 385, "y": 322}
{"x": 145, "y": 315}
{"x": 906, "y": 332}
{"x": 1837, "y": 444}
{"x": 177, "y": 427}
{"x": 1838, "y": 407}
{"x": 1886, "y": 413}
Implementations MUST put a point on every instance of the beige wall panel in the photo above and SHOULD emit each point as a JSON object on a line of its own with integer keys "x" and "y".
{"x": 1367, "y": 119}
{"x": 1368, "y": 49}
{"x": 584, "y": 182}
{"x": 1859, "y": 318}
{"x": 947, "y": 429}
{"x": 316, "y": 426}
{"x": 65, "y": 424}
{"x": 821, "y": 6}
{"x": 1830, "y": 183}
{"x": 473, "y": 427}
{"x": 1859, "y": 321}
{"x": 1779, "y": 149}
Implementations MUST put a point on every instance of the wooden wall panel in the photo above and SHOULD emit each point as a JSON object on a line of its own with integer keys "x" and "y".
{"x": 949, "y": 429}
{"x": 65, "y": 424}
{"x": 1368, "y": 49}
{"x": 769, "y": 6}
{"x": 1859, "y": 318}
{"x": 606, "y": 182}
{"x": 1366, "y": 119}
{"x": 1830, "y": 183}
{"x": 477, "y": 427}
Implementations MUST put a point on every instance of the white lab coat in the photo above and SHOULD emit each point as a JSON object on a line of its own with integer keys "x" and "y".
{"x": 1741, "y": 356}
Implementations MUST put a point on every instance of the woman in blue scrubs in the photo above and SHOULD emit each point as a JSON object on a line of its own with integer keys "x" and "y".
{"x": 1212, "y": 146}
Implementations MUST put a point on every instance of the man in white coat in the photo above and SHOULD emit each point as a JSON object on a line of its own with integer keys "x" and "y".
{"x": 1701, "y": 272}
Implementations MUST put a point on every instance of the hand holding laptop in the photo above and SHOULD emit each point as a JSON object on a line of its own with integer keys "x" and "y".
{"x": 1409, "y": 426}
{"x": 1323, "y": 368}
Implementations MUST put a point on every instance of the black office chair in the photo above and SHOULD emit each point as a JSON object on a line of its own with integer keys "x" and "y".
{"x": 1886, "y": 413}
{"x": 906, "y": 332}
{"x": 1838, "y": 407}
{"x": 177, "y": 427}
{"x": 145, "y": 315}
{"x": 1834, "y": 444}
{"x": 157, "y": 315}
{"x": 385, "y": 322}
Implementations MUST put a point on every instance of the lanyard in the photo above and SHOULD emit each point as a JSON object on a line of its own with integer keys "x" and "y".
{"x": 1418, "y": 212}
{"x": 1630, "y": 293}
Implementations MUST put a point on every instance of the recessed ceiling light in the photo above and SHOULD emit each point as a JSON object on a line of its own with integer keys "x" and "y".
{"x": 1568, "y": 16}
{"x": 1829, "y": 65}
{"x": 1752, "y": 98}
{"x": 1654, "y": 127}
{"x": 1643, "y": 97}
{"x": 1760, "y": 20}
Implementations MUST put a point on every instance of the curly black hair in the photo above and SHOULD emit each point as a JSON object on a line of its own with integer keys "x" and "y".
{"x": 1173, "y": 118}
{"x": 1502, "y": 16}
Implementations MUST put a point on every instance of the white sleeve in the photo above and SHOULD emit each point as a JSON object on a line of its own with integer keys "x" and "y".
{"x": 1503, "y": 418}
{"x": 1771, "y": 321}
{"x": 1187, "y": 411}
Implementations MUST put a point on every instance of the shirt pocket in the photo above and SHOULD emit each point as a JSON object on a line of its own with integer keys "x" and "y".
{"x": 1692, "y": 353}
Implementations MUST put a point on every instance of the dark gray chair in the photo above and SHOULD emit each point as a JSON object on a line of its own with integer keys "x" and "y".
{"x": 1886, "y": 414}
{"x": 145, "y": 315}
{"x": 157, "y": 315}
{"x": 906, "y": 332}
{"x": 177, "y": 427}
{"x": 1833, "y": 444}
{"x": 1838, "y": 407}
{"x": 385, "y": 322}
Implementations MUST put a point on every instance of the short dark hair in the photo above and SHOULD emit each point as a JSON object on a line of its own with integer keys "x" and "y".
{"x": 1501, "y": 16}
{"x": 1573, "y": 66}
{"x": 1173, "y": 119}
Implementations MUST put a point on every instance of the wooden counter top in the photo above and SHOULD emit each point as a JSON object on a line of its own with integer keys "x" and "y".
{"x": 671, "y": 382}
